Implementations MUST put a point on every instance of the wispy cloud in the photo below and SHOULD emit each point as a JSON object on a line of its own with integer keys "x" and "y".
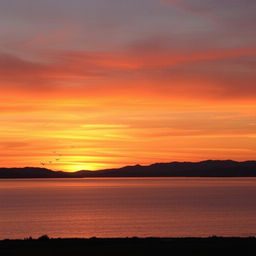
{"x": 110, "y": 83}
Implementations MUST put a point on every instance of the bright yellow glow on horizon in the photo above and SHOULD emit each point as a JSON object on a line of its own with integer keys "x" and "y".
{"x": 102, "y": 84}
{"x": 97, "y": 134}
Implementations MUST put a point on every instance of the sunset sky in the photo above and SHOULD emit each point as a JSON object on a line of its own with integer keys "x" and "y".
{"x": 94, "y": 84}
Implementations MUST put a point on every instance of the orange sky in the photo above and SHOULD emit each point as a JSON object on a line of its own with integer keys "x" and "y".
{"x": 126, "y": 83}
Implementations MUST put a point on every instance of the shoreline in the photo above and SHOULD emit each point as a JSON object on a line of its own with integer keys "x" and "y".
{"x": 134, "y": 246}
{"x": 206, "y": 168}
{"x": 47, "y": 238}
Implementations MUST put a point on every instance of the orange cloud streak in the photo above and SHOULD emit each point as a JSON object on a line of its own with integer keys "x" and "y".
{"x": 83, "y": 110}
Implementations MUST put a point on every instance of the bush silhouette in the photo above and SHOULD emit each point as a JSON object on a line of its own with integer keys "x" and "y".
{"x": 44, "y": 238}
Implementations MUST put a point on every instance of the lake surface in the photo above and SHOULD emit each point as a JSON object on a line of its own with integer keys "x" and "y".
{"x": 121, "y": 207}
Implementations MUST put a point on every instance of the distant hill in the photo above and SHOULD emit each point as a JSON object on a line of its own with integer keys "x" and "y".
{"x": 210, "y": 168}
{"x": 30, "y": 172}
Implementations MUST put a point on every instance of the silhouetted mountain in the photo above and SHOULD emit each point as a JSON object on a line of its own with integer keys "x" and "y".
{"x": 210, "y": 168}
{"x": 30, "y": 172}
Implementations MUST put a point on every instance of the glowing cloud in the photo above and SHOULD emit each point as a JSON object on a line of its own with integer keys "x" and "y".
{"x": 97, "y": 84}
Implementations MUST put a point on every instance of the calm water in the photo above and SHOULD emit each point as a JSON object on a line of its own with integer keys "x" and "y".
{"x": 114, "y": 207}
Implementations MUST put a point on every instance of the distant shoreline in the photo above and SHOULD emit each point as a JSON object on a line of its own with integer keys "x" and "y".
{"x": 125, "y": 177}
{"x": 208, "y": 168}
{"x": 129, "y": 246}
{"x": 129, "y": 238}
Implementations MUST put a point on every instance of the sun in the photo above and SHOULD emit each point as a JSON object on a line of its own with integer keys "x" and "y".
{"x": 76, "y": 166}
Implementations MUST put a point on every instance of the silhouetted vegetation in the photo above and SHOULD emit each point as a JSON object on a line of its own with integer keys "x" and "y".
{"x": 44, "y": 238}
{"x": 129, "y": 246}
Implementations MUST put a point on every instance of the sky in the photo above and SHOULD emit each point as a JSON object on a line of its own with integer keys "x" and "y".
{"x": 95, "y": 84}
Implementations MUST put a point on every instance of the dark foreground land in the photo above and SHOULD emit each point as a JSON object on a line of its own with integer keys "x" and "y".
{"x": 129, "y": 246}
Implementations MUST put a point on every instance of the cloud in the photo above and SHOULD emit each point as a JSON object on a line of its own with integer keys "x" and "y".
{"x": 50, "y": 38}
{"x": 222, "y": 73}
{"x": 27, "y": 73}
{"x": 224, "y": 11}
{"x": 211, "y": 5}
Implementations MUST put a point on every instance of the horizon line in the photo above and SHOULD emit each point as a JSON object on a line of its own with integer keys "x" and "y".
{"x": 134, "y": 165}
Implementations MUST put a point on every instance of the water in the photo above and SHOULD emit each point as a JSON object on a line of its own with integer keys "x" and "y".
{"x": 121, "y": 207}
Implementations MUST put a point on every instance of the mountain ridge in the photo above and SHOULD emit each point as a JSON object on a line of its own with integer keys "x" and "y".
{"x": 207, "y": 168}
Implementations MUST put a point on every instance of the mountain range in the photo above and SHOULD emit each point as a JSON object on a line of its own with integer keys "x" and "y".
{"x": 209, "y": 168}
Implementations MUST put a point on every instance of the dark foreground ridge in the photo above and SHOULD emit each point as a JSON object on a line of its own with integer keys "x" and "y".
{"x": 210, "y": 168}
{"x": 129, "y": 246}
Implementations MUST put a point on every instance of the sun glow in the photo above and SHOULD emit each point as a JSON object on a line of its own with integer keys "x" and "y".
{"x": 72, "y": 137}
{"x": 122, "y": 91}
